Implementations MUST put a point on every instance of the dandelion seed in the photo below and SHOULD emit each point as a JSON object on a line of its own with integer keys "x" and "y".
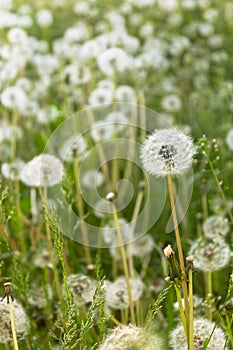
{"x": 214, "y": 226}
{"x": 131, "y": 337}
{"x": 202, "y": 330}
{"x": 210, "y": 256}
{"x": 167, "y": 152}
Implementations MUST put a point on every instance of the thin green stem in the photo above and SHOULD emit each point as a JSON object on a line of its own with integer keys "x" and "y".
{"x": 15, "y": 342}
{"x": 134, "y": 222}
{"x": 182, "y": 315}
{"x": 51, "y": 252}
{"x": 191, "y": 336}
{"x": 180, "y": 252}
{"x": 125, "y": 265}
{"x": 220, "y": 188}
{"x": 209, "y": 293}
{"x": 81, "y": 212}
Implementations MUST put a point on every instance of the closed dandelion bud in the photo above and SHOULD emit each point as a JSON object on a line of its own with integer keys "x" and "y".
{"x": 167, "y": 152}
{"x": 202, "y": 330}
{"x": 131, "y": 337}
{"x": 174, "y": 268}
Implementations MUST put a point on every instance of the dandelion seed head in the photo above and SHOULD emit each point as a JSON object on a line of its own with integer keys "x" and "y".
{"x": 210, "y": 256}
{"x": 102, "y": 131}
{"x": 37, "y": 297}
{"x": 143, "y": 246}
{"x": 167, "y": 152}
{"x": 131, "y": 337}
{"x": 215, "y": 225}
{"x": 74, "y": 147}
{"x": 44, "y": 170}
{"x": 12, "y": 170}
{"x": 41, "y": 258}
{"x": 229, "y": 139}
{"x": 202, "y": 329}
{"x": 117, "y": 293}
{"x": 20, "y": 318}
{"x": 82, "y": 287}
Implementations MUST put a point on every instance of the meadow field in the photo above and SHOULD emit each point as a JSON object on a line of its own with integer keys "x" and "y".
{"x": 116, "y": 196}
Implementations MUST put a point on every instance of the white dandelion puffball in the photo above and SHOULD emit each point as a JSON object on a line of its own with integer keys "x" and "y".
{"x": 131, "y": 337}
{"x": 117, "y": 292}
{"x": 74, "y": 147}
{"x": 21, "y": 321}
{"x": 202, "y": 330}
{"x": 210, "y": 256}
{"x": 12, "y": 170}
{"x": 44, "y": 170}
{"x": 229, "y": 139}
{"x": 167, "y": 152}
{"x": 82, "y": 287}
{"x": 215, "y": 225}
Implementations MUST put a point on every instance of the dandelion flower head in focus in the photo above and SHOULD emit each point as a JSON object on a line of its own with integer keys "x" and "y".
{"x": 167, "y": 152}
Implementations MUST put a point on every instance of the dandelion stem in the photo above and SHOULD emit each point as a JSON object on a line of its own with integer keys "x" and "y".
{"x": 220, "y": 188}
{"x": 125, "y": 265}
{"x": 81, "y": 213}
{"x": 209, "y": 293}
{"x": 113, "y": 319}
{"x": 180, "y": 252}
{"x": 52, "y": 257}
{"x": 190, "y": 281}
{"x": 182, "y": 315}
{"x": 134, "y": 221}
{"x": 13, "y": 324}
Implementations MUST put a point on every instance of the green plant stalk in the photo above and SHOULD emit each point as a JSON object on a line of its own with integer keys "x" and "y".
{"x": 182, "y": 315}
{"x": 134, "y": 221}
{"x": 180, "y": 253}
{"x": 15, "y": 342}
{"x": 125, "y": 265}
{"x": 209, "y": 293}
{"x": 220, "y": 188}
{"x": 81, "y": 213}
{"x": 52, "y": 257}
{"x": 191, "y": 336}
